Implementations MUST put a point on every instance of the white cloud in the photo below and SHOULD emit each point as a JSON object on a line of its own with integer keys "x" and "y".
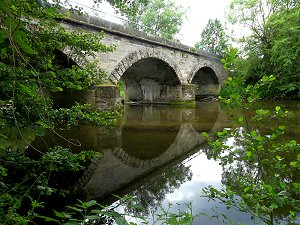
{"x": 200, "y": 11}
{"x": 205, "y": 172}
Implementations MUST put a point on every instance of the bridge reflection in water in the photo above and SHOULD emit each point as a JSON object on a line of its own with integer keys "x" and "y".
{"x": 150, "y": 137}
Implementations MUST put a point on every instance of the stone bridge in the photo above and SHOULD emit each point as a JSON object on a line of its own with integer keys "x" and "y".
{"x": 153, "y": 69}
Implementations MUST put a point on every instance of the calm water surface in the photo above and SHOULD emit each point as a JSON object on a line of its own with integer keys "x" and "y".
{"x": 157, "y": 154}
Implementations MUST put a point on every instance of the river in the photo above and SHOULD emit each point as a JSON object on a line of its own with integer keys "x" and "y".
{"x": 157, "y": 154}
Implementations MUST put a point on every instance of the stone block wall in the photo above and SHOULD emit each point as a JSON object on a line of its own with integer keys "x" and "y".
{"x": 207, "y": 90}
{"x": 100, "y": 97}
{"x": 188, "y": 92}
{"x": 106, "y": 96}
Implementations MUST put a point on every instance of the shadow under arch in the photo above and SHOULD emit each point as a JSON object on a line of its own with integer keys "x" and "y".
{"x": 149, "y": 76}
{"x": 206, "y": 79}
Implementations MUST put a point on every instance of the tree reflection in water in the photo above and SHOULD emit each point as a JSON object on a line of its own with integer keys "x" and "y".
{"x": 260, "y": 170}
{"x": 150, "y": 195}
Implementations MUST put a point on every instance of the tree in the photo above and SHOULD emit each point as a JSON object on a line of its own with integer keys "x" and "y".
{"x": 150, "y": 197}
{"x": 213, "y": 38}
{"x": 124, "y": 7}
{"x": 283, "y": 30}
{"x": 253, "y": 14}
{"x": 273, "y": 25}
{"x": 159, "y": 17}
{"x": 33, "y": 58}
{"x": 37, "y": 53}
{"x": 260, "y": 169}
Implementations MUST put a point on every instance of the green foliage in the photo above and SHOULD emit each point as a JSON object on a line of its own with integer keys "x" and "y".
{"x": 253, "y": 14}
{"x": 14, "y": 138}
{"x": 159, "y": 17}
{"x": 260, "y": 167}
{"x": 86, "y": 213}
{"x": 213, "y": 38}
{"x": 24, "y": 178}
{"x": 179, "y": 218}
{"x": 92, "y": 212}
{"x": 122, "y": 88}
{"x": 69, "y": 117}
{"x": 229, "y": 59}
{"x": 148, "y": 201}
{"x": 283, "y": 31}
{"x": 37, "y": 53}
{"x": 272, "y": 47}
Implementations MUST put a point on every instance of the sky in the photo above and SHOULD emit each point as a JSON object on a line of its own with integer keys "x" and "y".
{"x": 198, "y": 14}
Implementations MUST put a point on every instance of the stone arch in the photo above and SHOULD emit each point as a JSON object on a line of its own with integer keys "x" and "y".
{"x": 186, "y": 140}
{"x": 135, "y": 56}
{"x": 207, "y": 79}
{"x": 150, "y": 76}
{"x": 200, "y": 65}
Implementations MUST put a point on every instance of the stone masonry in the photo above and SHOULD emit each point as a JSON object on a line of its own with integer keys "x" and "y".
{"x": 153, "y": 69}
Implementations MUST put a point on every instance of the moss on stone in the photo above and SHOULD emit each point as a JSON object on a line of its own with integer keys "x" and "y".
{"x": 183, "y": 103}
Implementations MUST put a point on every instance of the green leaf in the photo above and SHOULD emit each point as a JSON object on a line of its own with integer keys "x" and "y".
{"x": 47, "y": 219}
{"x": 218, "y": 144}
{"x": 274, "y": 206}
{"x": 89, "y": 203}
{"x": 4, "y": 7}
{"x": 109, "y": 214}
{"x": 219, "y": 133}
{"x": 241, "y": 119}
{"x": 14, "y": 8}
{"x": 253, "y": 133}
{"x": 249, "y": 154}
{"x": 36, "y": 204}
{"x": 223, "y": 61}
{"x": 277, "y": 108}
{"x": 59, "y": 214}
{"x": 293, "y": 142}
{"x": 120, "y": 220}
{"x": 293, "y": 164}
{"x": 265, "y": 79}
{"x": 26, "y": 89}
{"x": 44, "y": 125}
{"x": 21, "y": 38}
{"x": 40, "y": 131}
{"x": 71, "y": 223}
{"x": 204, "y": 134}
{"x": 59, "y": 89}
{"x": 11, "y": 23}
{"x": 247, "y": 189}
{"x": 74, "y": 208}
{"x": 3, "y": 171}
{"x": 3, "y": 36}
{"x": 92, "y": 217}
